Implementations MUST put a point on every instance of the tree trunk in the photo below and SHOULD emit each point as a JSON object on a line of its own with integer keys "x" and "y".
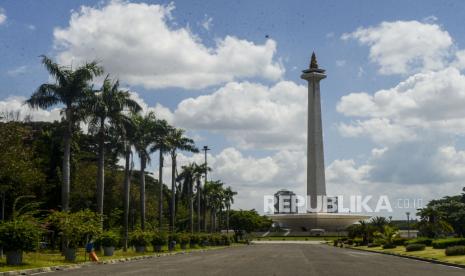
{"x": 198, "y": 205}
{"x": 65, "y": 187}
{"x": 205, "y": 204}
{"x": 173, "y": 191}
{"x": 227, "y": 219}
{"x": 160, "y": 181}
{"x": 191, "y": 207}
{"x": 101, "y": 168}
{"x": 143, "y": 161}
{"x": 127, "y": 188}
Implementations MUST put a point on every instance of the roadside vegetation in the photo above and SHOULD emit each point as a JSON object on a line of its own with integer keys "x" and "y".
{"x": 82, "y": 182}
{"x": 440, "y": 229}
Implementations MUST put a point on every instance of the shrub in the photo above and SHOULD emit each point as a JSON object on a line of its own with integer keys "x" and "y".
{"x": 389, "y": 246}
{"x": 350, "y": 241}
{"x": 159, "y": 239}
{"x": 399, "y": 241}
{"x": 225, "y": 239}
{"x": 415, "y": 247}
{"x": 108, "y": 238}
{"x": 335, "y": 242}
{"x": 444, "y": 243}
{"x": 425, "y": 241}
{"x": 195, "y": 239}
{"x": 455, "y": 250}
{"x": 204, "y": 239}
{"x": 358, "y": 241}
{"x": 173, "y": 237}
{"x": 76, "y": 227}
{"x": 183, "y": 238}
{"x": 140, "y": 238}
{"x": 20, "y": 235}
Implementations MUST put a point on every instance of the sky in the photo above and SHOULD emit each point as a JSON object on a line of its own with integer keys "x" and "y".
{"x": 229, "y": 73}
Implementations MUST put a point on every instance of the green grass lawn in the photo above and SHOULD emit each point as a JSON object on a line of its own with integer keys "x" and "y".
{"x": 295, "y": 238}
{"x": 428, "y": 253}
{"x": 54, "y": 258}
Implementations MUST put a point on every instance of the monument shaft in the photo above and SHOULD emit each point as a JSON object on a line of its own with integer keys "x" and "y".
{"x": 316, "y": 185}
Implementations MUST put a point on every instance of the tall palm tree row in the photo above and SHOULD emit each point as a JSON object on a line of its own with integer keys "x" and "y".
{"x": 113, "y": 117}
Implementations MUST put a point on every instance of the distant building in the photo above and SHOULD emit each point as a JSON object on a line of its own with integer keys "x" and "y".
{"x": 285, "y": 202}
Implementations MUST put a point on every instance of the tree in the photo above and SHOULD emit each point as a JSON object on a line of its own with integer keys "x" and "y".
{"x": 248, "y": 221}
{"x": 187, "y": 177}
{"x": 70, "y": 89}
{"x": 177, "y": 141}
{"x": 106, "y": 107}
{"x": 228, "y": 200}
{"x": 443, "y": 216}
{"x": 214, "y": 200}
{"x": 198, "y": 174}
{"x": 162, "y": 129}
{"x": 144, "y": 137}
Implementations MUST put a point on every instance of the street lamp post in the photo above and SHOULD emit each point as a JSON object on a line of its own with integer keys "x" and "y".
{"x": 408, "y": 224}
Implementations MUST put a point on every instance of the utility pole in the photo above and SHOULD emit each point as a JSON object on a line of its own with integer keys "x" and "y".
{"x": 205, "y": 149}
{"x": 408, "y": 224}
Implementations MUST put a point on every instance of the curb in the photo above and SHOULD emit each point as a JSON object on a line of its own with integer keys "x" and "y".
{"x": 46, "y": 269}
{"x": 410, "y": 257}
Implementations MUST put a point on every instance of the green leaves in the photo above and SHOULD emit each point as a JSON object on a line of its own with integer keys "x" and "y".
{"x": 20, "y": 234}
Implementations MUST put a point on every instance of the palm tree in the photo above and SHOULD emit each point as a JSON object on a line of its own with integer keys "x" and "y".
{"x": 162, "y": 129}
{"x": 106, "y": 107}
{"x": 187, "y": 176}
{"x": 198, "y": 174}
{"x": 70, "y": 89}
{"x": 228, "y": 200}
{"x": 177, "y": 141}
{"x": 124, "y": 130}
{"x": 213, "y": 191}
{"x": 144, "y": 137}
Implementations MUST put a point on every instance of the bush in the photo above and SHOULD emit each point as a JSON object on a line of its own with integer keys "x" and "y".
{"x": 389, "y": 246}
{"x": 415, "y": 247}
{"x": 76, "y": 227}
{"x": 444, "y": 243}
{"x": 183, "y": 238}
{"x": 455, "y": 250}
{"x": 399, "y": 241}
{"x": 225, "y": 239}
{"x": 194, "y": 239}
{"x": 335, "y": 242}
{"x": 159, "y": 239}
{"x": 20, "y": 235}
{"x": 425, "y": 241}
{"x": 358, "y": 241}
{"x": 140, "y": 238}
{"x": 350, "y": 241}
{"x": 108, "y": 238}
{"x": 173, "y": 237}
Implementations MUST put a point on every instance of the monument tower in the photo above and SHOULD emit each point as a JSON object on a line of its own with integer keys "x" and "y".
{"x": 316, "y": 185}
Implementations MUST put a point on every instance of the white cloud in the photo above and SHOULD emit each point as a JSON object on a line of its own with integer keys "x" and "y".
{"x": 254, "y": 177}
{"x": 20, "y": 70}
{"x": 207, "y": 23}
{"x": 3, "y": 16}
{"x": 16, "y": 106}
{"x": 402, "y": 47}
{"x": 252, "y": 115}
{"x": 340, "y": 63}
{"x": 431, "y": 102}
{"x": 138, "y": 43}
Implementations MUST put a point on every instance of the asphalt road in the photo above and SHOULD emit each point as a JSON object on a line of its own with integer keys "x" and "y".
{"x": 272, "y": 259}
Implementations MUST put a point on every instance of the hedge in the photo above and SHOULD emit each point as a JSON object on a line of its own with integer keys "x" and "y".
{"x": 455, "y": 250}
{"x": 444, "y": 243}
{"x": 415, "y": 247}
{"x": 389, "y": 246}
{"x": 425, "y": 241}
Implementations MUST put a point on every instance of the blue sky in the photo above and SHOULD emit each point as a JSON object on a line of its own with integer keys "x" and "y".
{"x": 367, "y": 138}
